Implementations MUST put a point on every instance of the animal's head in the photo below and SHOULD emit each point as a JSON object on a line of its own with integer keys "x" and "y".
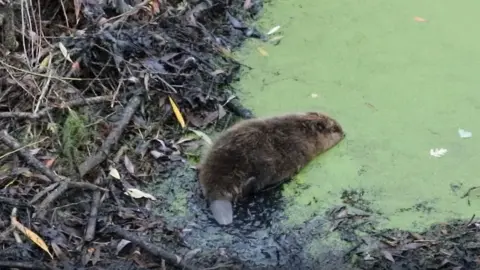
{"x": 328, "y": 131}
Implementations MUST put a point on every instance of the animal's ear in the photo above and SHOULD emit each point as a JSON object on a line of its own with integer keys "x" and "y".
{"x": 320, "y": 125}
{"x": 316, "y": 125}
{"x": 313, "y": 114}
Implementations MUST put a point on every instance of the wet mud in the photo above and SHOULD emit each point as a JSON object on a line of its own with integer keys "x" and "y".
{"x": 258, "y": 238}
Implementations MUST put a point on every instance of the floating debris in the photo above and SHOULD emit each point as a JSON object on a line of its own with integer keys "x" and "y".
{"x": 438, "y": 152}
{"x": 419, "y": 19}
{"x": 262, "y": 51}
{"x": 273, "y": 30}
{"x": 275, "y": 40}
{"x": 464, "y": 134}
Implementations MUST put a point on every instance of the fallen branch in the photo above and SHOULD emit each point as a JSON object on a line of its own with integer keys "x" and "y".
{"x": 85, "y": 185}
{"x": 32, "y": 161}
{"x": 43, "y": 192}
{"x": 43, "y": 112}
{"x": 42, "y": 207}
{"x": 468, "y": 192}
{"x": 237, "y": 108}
{"x": 112, "y": 138}
{"x": 13, "y": 202}
{"x": 23, "y": 265}
{"x": 92, "y": 220}
{"x": 98, "y": 158}
{"x": 173, "y": 259}
{"x": 27, "y": 157}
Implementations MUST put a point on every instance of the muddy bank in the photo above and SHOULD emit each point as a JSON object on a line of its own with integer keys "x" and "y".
{"x": 258, "y": 237}
{"x": 344, "y": 237}
{"x": 97, "y": 112}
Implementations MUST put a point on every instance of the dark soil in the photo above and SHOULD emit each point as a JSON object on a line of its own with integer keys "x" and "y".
{"x": 87, "y": 112}
{"x": 454, "y": 245}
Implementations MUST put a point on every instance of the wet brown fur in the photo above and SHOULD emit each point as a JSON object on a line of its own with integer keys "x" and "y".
{"x": 256, "y": 153}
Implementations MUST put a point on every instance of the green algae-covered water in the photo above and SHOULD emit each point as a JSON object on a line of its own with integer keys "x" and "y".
{"x": 401, "y": 77}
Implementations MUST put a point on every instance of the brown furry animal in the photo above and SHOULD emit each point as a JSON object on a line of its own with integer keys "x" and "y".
{"x": 256, "y": 153}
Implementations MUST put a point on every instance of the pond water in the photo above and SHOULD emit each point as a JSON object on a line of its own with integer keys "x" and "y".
{"x": 402, "y": 78}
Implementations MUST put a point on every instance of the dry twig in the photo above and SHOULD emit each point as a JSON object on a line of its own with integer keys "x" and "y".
{"x": 151, "y": 248}
{"x": 92, "y": 220}
{"x": 32, "y": 161}
{"x": 112, "y": 138}
{"x": 43, "y": 112}
{"x": 23, "y": 265}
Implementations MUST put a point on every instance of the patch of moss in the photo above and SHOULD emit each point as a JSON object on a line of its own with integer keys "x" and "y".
{"x": 74, "y": 135}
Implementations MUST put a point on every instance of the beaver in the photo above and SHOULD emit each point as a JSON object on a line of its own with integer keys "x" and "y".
{"x": 254, "y": 154}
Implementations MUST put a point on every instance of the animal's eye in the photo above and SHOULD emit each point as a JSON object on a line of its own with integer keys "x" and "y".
{"x": 320, "y": 125}
{"x": 336, "y": 128}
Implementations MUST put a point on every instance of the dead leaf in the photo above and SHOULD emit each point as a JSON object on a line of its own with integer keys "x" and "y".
{"x": 226, "y": 52}
{"x": 96, "y": 256}
{"x": 419, "y": 19}
{"x": 275, "y": 39}
{"x": 156, "y": 154}
{"x": 342, "y": 214}
{"x": 87, "y": 256}
{"x": 273, "y": 30}
{"x": 210, "y": 117}
{"x": 217, "y": 72}
{"x": 388, "y": 255}
{"x": 136, "y": 193}
{"x": 187, "y": 138}
{"x": 64, "y": 52}
{"x": 121, "y": 245}
{"x": 221, "y": 112}
{"x": 58, "y": 251}
{"x": 129, "y": 165}
{"x": 262, "y": 51}
{"x": 114, "y": 173}
{"x": 31, "y": 235}
{"x": 177, "y": 112}
{"x": 202, "y": 135}
{"x": 45, "y": 61}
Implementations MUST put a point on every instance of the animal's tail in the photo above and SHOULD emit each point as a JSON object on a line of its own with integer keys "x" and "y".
{"x": 222, "y": 211}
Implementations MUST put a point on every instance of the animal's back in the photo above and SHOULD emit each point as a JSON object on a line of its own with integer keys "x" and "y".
{"x": 265, "y": 150}
{"x": 256, "y": 153}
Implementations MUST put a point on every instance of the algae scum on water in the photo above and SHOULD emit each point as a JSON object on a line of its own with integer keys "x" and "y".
{"x": 401, "y": 77}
